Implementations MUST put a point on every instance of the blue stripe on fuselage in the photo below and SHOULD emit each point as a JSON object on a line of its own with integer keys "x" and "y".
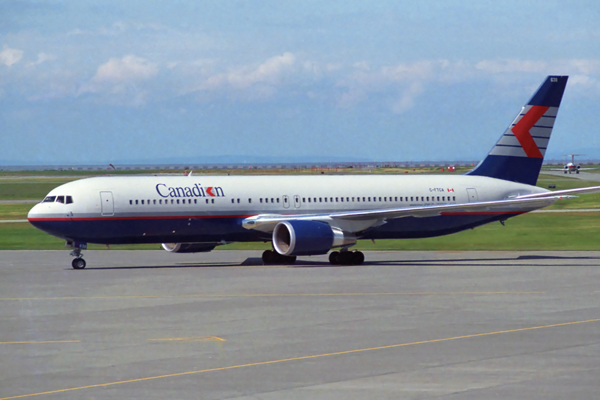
{"x": 137, "y": 231}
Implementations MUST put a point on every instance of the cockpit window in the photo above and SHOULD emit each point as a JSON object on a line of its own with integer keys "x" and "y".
{"x": 69, "y": 200}
{"x": 60, "y": 199}
{"x": 49, "y": 199}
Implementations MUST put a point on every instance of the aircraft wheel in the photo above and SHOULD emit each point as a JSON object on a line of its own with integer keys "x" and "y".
{"x": 577, "y": 172}
{"x": 268, "y": 257}
{"x": 358, "y": 258}
{"x": 287, "y": 260}
{"x": 334, "y": 258}
{"x": 345, "y": 258}
{"x": 78, "y": 263}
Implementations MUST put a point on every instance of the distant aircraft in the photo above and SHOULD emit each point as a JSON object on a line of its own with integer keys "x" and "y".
{"x": 571, "y": 167}
{"x": 310, "y": 215}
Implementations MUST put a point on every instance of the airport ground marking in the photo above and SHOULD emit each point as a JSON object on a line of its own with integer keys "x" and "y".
{"x": 190, "y": 339}
{"x": 199, "y": 296}
{"x": 337, "y": 353}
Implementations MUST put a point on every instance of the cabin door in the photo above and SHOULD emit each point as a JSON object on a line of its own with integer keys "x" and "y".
{"x": 472, "y": 193}
{"x": 106, "y": 204}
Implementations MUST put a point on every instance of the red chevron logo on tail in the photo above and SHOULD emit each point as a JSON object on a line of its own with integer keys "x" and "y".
{"x": 521, "y": 130}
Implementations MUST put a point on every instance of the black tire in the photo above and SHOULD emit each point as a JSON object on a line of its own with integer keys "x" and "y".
{"x": 345, "y": 258}
{"x": 78, "y": 263}
{"x": 358, "y": 258}
{"x": 288, "y": 260}
{"x": 334, "y": 258}
{"x": 268, "y": 257}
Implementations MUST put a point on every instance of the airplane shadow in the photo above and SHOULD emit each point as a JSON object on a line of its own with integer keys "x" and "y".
{"x": 474, "y": 262}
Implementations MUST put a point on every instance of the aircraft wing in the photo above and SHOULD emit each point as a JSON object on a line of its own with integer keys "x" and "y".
{"x": 561, "y": 194}
{"x": 359, "y": 220}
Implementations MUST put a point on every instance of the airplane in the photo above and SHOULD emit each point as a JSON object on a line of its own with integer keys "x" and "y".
{"x": 571, "y": 166}
{"x": 310, "y": 215}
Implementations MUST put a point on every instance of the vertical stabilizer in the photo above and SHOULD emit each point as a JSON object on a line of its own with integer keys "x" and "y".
{"x": 519, "y": 153}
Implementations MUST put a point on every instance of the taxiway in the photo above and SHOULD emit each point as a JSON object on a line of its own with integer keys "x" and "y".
{"x": 410, "y": 325}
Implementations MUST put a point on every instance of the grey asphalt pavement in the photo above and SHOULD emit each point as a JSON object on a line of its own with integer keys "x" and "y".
{"x": 405, "y": 325}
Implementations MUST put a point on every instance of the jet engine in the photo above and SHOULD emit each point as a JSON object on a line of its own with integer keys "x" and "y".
{"x": 188, "y": 247}
{"x": 307, "y": 238}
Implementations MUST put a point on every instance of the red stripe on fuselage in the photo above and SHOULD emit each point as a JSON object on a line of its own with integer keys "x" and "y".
{"x": 141, "y": 218}
{"x": 484, "y": 213}
{"x": 521, "y": 130}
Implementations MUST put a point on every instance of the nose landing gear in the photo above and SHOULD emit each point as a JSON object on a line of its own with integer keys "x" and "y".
{"x": 78, "y": 262}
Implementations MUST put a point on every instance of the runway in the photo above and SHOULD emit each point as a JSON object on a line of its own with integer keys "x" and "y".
{"x": 220, "y": 325}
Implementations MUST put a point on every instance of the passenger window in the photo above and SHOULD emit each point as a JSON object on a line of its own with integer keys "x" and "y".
{"x": 142, "y": 201}
{"x": 249, "y": 201}
{"x": 212, "y": 201}
{"x": 130, "y": 202}
{"x": 136, "y": 202}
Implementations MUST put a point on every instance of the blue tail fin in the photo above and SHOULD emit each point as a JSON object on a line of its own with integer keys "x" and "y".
{"x": 519, "y": 153}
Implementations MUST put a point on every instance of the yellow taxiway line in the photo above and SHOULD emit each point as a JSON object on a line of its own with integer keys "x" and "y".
{"x": 338, "y": 353}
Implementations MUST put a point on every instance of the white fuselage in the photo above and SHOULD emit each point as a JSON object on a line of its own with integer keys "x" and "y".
{"x": 143, "y": 209}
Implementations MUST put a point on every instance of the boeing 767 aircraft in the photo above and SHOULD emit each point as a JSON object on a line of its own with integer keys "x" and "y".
{"x": 309, "y": 215}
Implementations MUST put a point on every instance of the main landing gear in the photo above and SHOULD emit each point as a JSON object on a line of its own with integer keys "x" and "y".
{"x": 270, "y": 257}
{"x": 346, "y": 257}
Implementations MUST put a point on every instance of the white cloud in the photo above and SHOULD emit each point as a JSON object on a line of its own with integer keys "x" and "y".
{"x": 128, "y": 68}
{"x": 511, "y": 65}
{"x": 269, "y": 72}
{"x": 121, "y": 80}
{"x": 42, "y": 58}
{"x": 10, "y": 56}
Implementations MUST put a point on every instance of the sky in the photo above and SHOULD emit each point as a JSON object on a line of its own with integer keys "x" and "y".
{"x": 128, "y": 82}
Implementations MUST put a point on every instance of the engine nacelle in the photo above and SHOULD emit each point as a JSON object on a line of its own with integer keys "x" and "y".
{"x": 188, "y": 247}
{"x": 308, "y": 238}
